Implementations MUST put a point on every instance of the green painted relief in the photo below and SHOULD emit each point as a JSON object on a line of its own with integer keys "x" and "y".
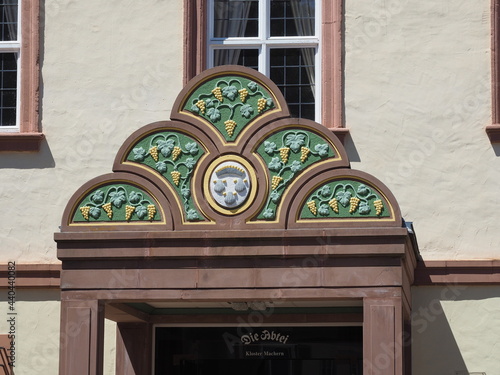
{"x": 286, "y": 154}
{"x": 174, "y": 156}
{"x": 343, "y": 199}
{"x": 117, "y": 203}
{"x": 230, "y": 103}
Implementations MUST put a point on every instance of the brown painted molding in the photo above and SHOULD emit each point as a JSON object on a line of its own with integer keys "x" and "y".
{"x": 29, "y": 137}
{"x": 493, "y": 131}
{"x": 485, "y": 272}
{"x": 40, "y": 276}
{"x": 427, "y": 273}
{"x": 195, "y": 42}
{"x": 5, "y": 367}
{"x": 332, "y": 65}
{"x": 341, "y": 133}
{"x": 27, "y": 142}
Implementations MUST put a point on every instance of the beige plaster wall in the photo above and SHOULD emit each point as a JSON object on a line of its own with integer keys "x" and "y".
{"x": 37, "y": 329}
{"x": 456, "y": 328}
{"x": 417, "y": 99}
{"x": 37, "y": 332}
{"x": 108, "y": 68}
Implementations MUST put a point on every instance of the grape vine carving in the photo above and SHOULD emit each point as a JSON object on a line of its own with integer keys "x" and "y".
{"x": 289, "y": 156}
{"x": 115, "y": 199}
{"x": 345, "y": 199}
{"x": 231, "y": 103}
{"x": 175, "y": 161}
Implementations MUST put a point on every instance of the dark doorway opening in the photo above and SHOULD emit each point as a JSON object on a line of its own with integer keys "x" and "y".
{"x": 258, "y": 351}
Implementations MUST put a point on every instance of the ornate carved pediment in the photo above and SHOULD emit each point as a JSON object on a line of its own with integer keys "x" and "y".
{"x": 231, "y": 157}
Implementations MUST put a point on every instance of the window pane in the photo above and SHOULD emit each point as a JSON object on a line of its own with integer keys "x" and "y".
{"x": 8, "y": 20}
{"x": 293, "y": 70}
{"x": 8, "y": 84}
{"x": 235, "y": 18}
{"x": 292, "y": 17}
{"x": 245, "y": 57}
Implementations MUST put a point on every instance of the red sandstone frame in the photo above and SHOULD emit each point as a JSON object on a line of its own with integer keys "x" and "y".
{"x": 29, "y": 136}
{"x": 493, "y": 130}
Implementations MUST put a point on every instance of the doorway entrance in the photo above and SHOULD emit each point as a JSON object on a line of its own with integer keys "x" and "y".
{"x": 306, "y": 350}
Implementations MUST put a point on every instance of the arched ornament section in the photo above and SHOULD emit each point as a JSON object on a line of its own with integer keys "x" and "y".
{"x": 269, "y": 171}
{"x": 342, "y": 198}
{"x": 169, "y": 153}
{"x": 230, "y": 101}
{"x": 116, "y": 202}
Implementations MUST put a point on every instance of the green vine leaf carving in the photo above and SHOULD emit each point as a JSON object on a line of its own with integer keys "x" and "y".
{"x": 190, "y": 163}
{"x": 325, "y": 191}
{"x": 186, "y": 193}
{"x": 364, "y": 208}
{"x": 363, "y": 190}
{"x": 192, "y": 148}
{"x": 161, "y": 167}
{"x": 230, "y": 92}
{"x": 118, "y": 198}
{"x": 214, "y": 114}
{"x": 344, "y": 198}
{"x": 95, "y": 212}
{"x": 269, "y": 213}
{"x": 139, "y": 154}
{"x": 252, "y": 86}
{"x": 122, "y": 202}
{"x": 229, "y": 103}
{"x": 295, "y": 141}
{"x": 134, "y": 197}
{"x": 295, "y": 166}
{"x": 97, "y": 197}
{"x": 165, "y": 146}
{"x": 192, "y": 215}
{"x": 275, "y": 164}
{"x": 321, "y": 149}
{"x": 141, "y": 211}
{"x": 174, "y": 155}
{"x": 287, "y": 153}
{"x": 270, "y": 147}
{"x": 246, "y": 111}
{"x": 324, "y": 210}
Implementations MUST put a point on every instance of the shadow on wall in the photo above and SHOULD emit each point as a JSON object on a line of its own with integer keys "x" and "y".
{"x": 434, "y": 348}
{"x": 28, "y": 160}
{"x": 350, "y": 149}
{"x": 437, "y": 347}
{"x": 496, "y": 148}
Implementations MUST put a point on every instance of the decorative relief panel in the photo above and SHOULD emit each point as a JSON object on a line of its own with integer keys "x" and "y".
{"x": 230, "y": 103}
{"x": 120, "y": 202}
{"x": 286, "y": 154}
{"x": 174, "y": 156}
{"x": 344, "y": 199}
{"x": 232, "y": 158}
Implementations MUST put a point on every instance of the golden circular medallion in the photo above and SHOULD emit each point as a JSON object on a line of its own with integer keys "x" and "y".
{"x": 230, "y": 184}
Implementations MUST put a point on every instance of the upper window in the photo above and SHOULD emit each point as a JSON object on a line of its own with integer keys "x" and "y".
{"x": 279, "y": 38}
{"x": 10, "y": 48}
{"x": 297, "y": 43}
{"x": 19, "y": 75}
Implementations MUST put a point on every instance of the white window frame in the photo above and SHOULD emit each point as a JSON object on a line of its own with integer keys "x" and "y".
{"x": 12, "y": 46}
{"x": 264, "y": 42}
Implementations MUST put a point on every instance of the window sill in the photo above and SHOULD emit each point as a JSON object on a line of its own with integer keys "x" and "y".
{"x": 493, "y": 132}
{"x": 17, "y": 142}
{"x": 341, "y": 133}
